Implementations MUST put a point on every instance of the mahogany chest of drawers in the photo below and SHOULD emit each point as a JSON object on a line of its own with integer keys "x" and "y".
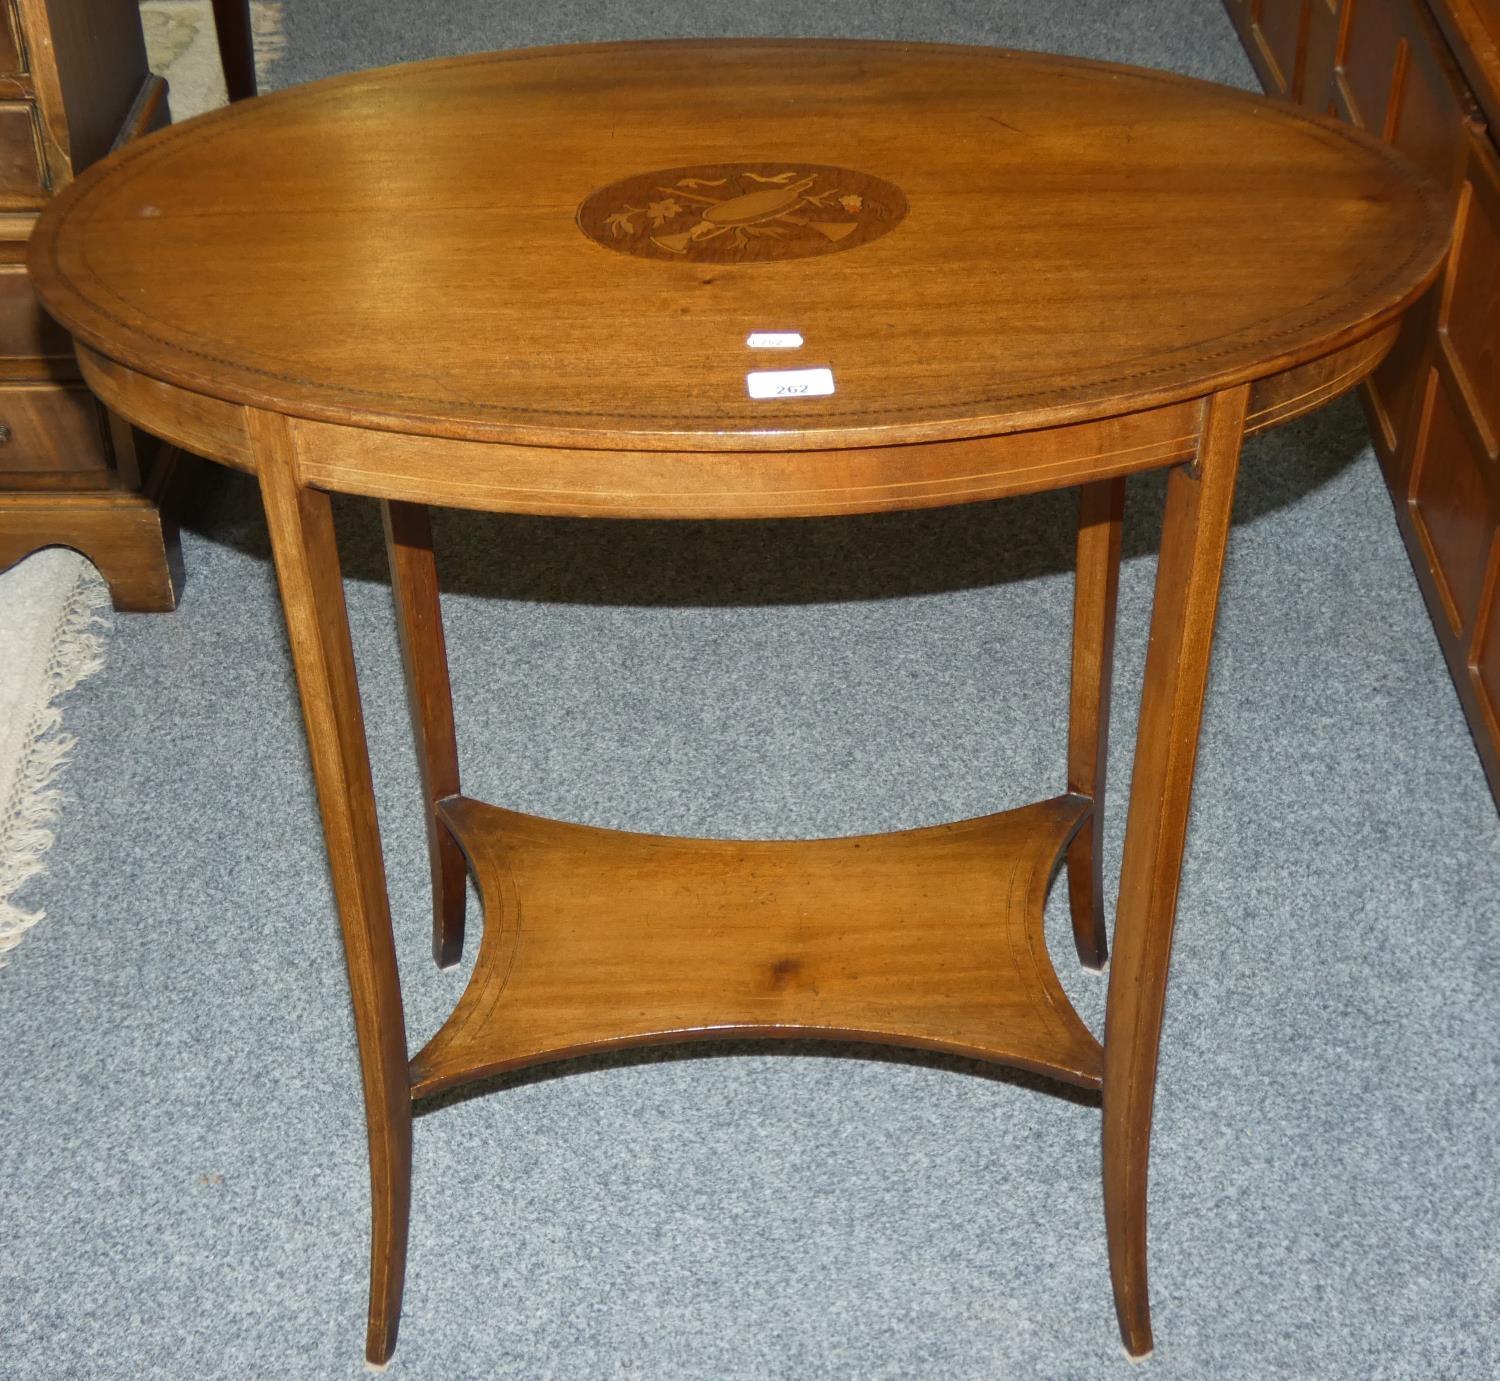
{"x": 73, "y": 83}
{"x": 1426, "y": 77}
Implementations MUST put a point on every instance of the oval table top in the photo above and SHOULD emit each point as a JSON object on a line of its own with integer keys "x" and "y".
{"x": 571, "y": 246}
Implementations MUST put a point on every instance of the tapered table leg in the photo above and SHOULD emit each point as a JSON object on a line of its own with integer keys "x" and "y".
{"x": 419, "y": 620}
{"x": 1182, "y": 624}
{"x": 312, "y": 595}
{"x": 236, "y": 47}
{"x": 1101, "y": 509}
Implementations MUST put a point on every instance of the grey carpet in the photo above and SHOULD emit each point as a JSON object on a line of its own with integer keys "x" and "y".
{"x": 182, "y": 1181}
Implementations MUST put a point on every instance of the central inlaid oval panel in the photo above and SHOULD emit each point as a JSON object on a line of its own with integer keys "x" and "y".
{"x": 741, "y": 213}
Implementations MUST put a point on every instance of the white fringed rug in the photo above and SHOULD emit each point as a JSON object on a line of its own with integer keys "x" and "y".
{"x": 182, "y": 47}
{"x": 52, "y": 604}
{"x": 49, "y": 642}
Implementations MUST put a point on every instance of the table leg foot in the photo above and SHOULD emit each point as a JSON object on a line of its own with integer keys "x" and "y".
{"x": 390, "y": 1221}
{"x": 1086, "y": 894}
{"x": 386, "y": 1288}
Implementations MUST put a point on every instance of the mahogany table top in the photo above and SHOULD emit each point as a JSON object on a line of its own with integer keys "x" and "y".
{"x": 571, "y": 247}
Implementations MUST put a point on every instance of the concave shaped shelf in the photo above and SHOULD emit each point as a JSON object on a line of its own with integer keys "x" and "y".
{"x": 595, "y": 939}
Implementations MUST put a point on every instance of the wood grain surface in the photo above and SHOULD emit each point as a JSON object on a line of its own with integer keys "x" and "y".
{"x": 1101, "y": 526}
{"x": 424, "y": 658}
{"x": 123, "y": 533}
{"x": 1195, "y": 530}
{"x": 401, "y": 248}
{"x": 596, "y": 482}
{"x": 596, "y": 939}
{"x": 525, "y": 282}
{"x": 305, "y": 552}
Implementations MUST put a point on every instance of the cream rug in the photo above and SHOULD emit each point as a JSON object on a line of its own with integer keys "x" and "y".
{"x": 49, "y": 613}
{"x": 53, "y": 605}
{"x": 181, "y": 45}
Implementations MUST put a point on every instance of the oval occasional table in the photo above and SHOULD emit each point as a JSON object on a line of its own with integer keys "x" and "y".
{"x": 739, "y": 280}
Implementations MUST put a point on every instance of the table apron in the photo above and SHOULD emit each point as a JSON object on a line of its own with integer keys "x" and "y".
{"x": 581, "y": 482}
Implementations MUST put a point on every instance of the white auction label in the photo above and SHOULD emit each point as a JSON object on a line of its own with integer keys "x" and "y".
{"x": 789, "y": 383}
{"x": 774, "y": 340}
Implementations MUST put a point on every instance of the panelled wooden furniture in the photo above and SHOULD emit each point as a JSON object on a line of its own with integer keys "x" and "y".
{"x": 1425, "y": 76}
{"x": 73, "y": 82}
{"x": 543, "y": 296}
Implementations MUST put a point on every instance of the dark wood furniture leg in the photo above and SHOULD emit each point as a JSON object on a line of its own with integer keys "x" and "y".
{"x": 236, "y": 47}
{"x": 305, "y": 551}
{"x": 1101, "y": 508}
{"x": 1199, "y": 497}
{"x": 424, "y": 655}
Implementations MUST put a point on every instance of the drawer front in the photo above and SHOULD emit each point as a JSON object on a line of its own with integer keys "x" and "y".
{"x": 1323, "y": 25}
{"x": 1394, "y": 384}
{"x": 22, "y": 180}
{"x": 26, "y": 331}
{"x": 1486, "y": 661}
{"x": 12, "y": 49}
{"x": 1453, "y": 503}
{"x": 1469, "y": 332}
{"x": 1396, "y": 78}
{"x": 1368, "y": 51}
{"x": 51, "y": 429}
{"x": 1279, "y": 27}
{"x": 1430, "y": 113}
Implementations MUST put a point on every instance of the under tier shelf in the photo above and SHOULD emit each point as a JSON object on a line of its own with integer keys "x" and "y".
{"x": 595, "y": 939}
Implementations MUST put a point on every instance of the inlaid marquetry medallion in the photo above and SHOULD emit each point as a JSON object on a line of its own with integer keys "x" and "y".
{"x": 741, "y": 213}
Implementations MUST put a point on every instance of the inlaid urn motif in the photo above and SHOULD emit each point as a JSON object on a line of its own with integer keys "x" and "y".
{"x": 741, "y": 213}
